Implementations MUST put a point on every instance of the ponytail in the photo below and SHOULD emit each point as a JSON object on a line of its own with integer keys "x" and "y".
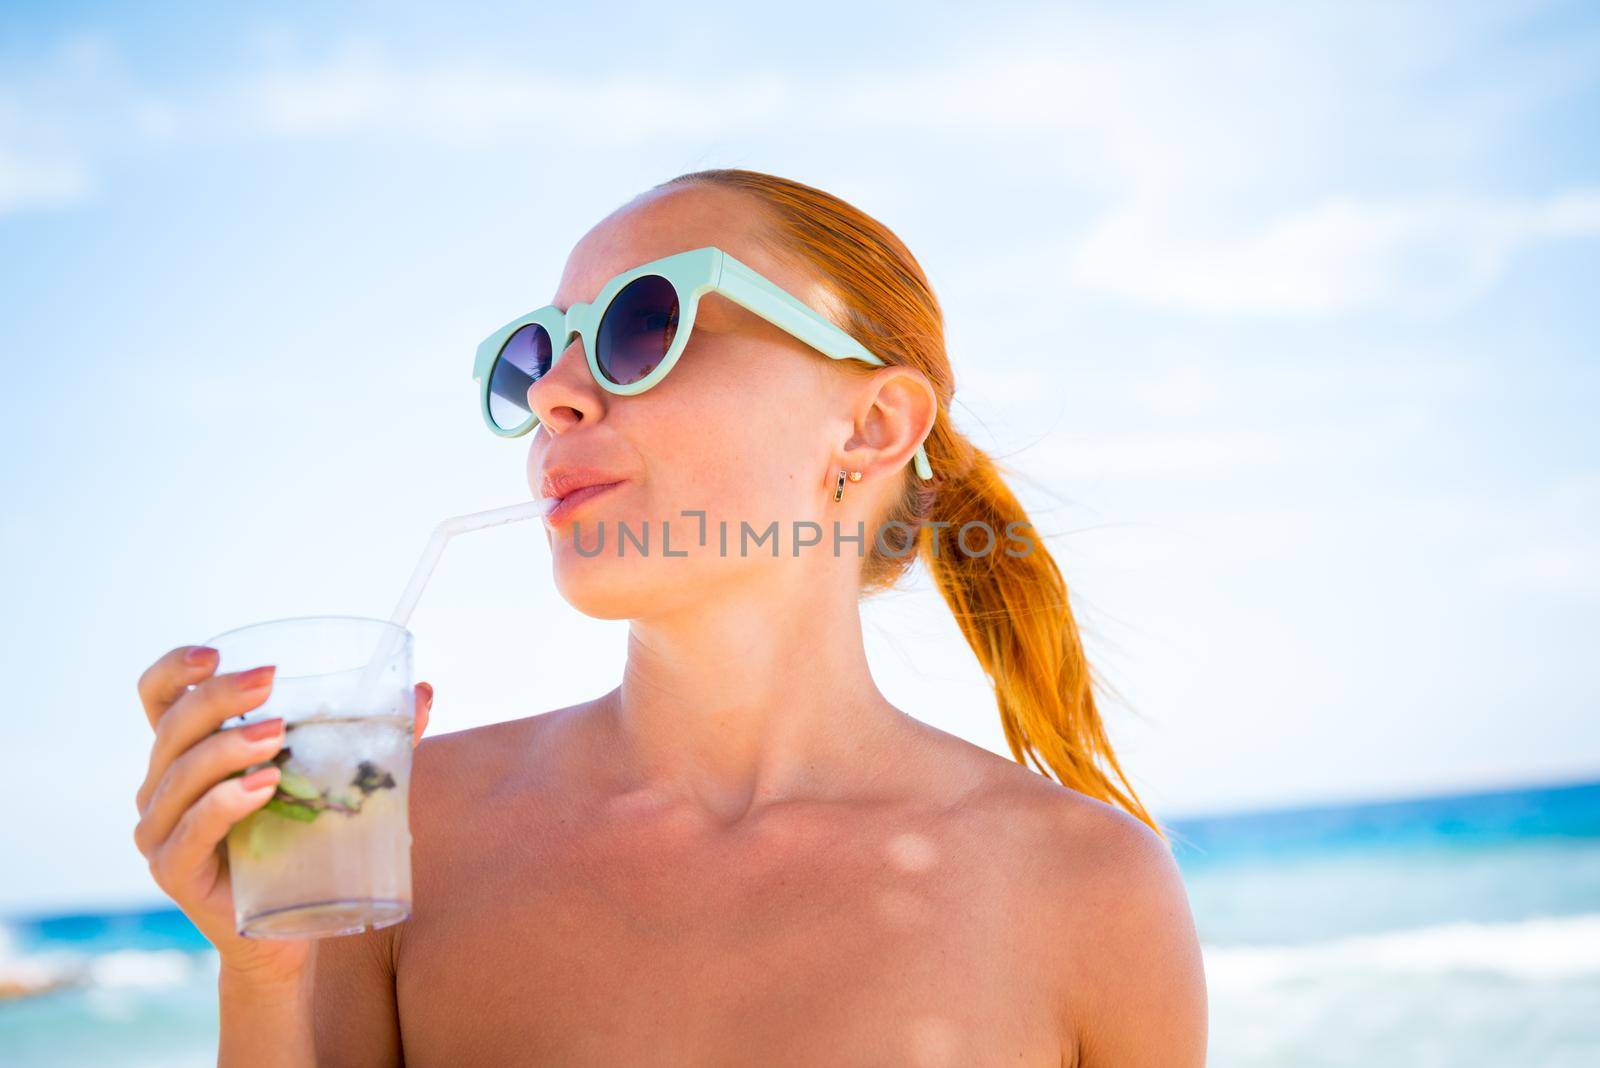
{"x": 1011, "y": 603}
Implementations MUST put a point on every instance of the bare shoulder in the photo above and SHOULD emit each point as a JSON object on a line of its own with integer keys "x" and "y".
{"x": 1106, "y": 897}
{"x": 1128, "y": 957}
{"x": 463, "y": 767}
{"x": 1076, "y": 835}
{"x": 477, "y": 742}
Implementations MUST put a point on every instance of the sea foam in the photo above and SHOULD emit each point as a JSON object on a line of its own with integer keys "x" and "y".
{"x": 1539, "y": 948}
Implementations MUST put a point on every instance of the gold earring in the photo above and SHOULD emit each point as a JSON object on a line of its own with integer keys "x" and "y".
{"x": 838, "y": 489}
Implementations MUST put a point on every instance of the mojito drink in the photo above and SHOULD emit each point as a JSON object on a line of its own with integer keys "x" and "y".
{"x": 330, "y": 853}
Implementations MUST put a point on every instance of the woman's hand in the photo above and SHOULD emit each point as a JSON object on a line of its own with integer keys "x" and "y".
{"x": 191, "y": 796}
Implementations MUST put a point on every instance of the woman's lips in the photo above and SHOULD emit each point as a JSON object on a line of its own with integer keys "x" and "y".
{"x": 565, "y": 506}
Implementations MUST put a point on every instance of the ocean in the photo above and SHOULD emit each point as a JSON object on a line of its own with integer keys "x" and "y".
{"x": 1433, "y": 932}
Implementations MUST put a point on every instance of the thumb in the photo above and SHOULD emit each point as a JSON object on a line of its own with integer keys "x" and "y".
{"x": 424, "y": 707}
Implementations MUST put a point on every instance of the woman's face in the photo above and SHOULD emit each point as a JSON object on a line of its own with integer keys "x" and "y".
{"x": 745, "y": 428}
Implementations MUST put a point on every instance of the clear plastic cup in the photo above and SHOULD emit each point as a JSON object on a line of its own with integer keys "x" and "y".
{"x": 330, "y": 854}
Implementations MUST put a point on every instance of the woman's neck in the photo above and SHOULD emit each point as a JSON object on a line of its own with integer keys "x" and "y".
{"x": 741, "y": 700}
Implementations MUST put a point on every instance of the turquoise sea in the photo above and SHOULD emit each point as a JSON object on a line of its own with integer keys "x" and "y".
{"x": 1445, "y": 931}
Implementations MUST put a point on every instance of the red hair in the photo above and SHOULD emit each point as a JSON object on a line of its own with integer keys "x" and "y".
{"x": 1013, "y": 606}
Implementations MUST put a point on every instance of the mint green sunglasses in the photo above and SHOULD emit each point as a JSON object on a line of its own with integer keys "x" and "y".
{"x": 635, "y": 331}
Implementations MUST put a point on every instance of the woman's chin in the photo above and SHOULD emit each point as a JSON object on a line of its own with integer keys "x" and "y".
{"x": 623, "y": 568}
{"x": 601, "y": 585}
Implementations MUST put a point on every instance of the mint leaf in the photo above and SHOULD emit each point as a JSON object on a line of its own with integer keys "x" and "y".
{"x": 291, "y": 810}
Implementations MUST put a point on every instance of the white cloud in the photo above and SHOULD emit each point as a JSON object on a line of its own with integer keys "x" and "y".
{"x": 1339, "y": 255}
{"x": 56, "y": 119}
{"x": 1162, "y": 455}
{"x": 364, "y": 91}
{"x": 1561, "y": 569}
{"x": 28, "y": 181}
{"x": 1553, "y": 546}
{"x": 1222, "y": 453}
{"x": 36, "y": 169}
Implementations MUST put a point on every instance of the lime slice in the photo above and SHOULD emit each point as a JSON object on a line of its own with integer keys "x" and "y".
{"x": 297, "y": 786}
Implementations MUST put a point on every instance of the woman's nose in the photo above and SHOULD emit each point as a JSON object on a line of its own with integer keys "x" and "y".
{"x": 566, "y": 394}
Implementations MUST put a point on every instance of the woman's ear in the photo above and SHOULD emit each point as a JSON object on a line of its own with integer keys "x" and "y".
{"x": 896, "y": 412}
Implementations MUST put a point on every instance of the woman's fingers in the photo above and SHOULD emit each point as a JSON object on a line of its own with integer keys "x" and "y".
{"x": 196, "y": 770}
{"x": 192, "y": 845}
{"x": 198, "y": 714}
{"x": 424, "y": 707}
{"x": 164, "y": 681}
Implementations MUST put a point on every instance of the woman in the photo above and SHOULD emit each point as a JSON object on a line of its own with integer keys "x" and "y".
{"x": 741, "y": 854}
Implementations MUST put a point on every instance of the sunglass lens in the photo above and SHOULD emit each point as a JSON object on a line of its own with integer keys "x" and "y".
{"x": 637, "y": 330}
{"x": 525, "y": 357}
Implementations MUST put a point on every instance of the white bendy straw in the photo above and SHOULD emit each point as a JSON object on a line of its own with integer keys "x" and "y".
{"x": 447, "y": 529}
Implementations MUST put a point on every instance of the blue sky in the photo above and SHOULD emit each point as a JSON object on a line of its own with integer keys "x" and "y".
{"x": 1284, "y": 318}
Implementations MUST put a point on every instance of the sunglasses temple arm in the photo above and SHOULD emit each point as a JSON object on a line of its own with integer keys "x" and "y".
{"x": 751, "y": 291}
{"x": 748, "y": 289}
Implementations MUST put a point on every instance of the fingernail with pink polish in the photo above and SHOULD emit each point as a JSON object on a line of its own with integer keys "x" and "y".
{"x": 262, "y": 729}
{"x": 259, "y": 779}
{"x": 256, "y": 678}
